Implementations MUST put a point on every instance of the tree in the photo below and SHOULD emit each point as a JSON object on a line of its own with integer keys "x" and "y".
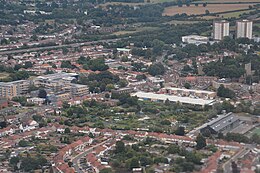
{"x": 28, "y": 64}
{"x": 65, "y": 105}
{"x": 23, "y": 143}
{"x": 205, "y": 4}
{"x": 65, "y": 51}
{"x": 14, "y": 161}
{"x": 42, "y": 93}
{"x": 156, "y": 69}
{"x": 67, "y": 130}
{"x": 173, "y": 149}
{"x": 180, "y": 131}
{"x": 255, "y": 138}
{"x": 109, "y": 87}
{"x": 29, "y": 164}
{"x": 122, "y": 83}
{"x": 187, "y": 85}
{"x": 207, "y": 12}
{"x": 134, "y": 163}
{"x": 225, "y": 92}
{"x": 120, "y": 147}
{"x": 201, "y": 142}
{"x": 106, "y": 170}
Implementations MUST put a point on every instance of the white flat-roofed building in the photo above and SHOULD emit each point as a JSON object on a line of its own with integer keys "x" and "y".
{"x": 183, "y": 100}
{"x": 195, "y": 39}
{"x": 190, "y": 92}
{"x": 244, "y": 29}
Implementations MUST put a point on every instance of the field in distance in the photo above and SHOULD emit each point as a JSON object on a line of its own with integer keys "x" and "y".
{"x": 213, "y": 8}
{"x": 136, "y": 4}
{"x": 226, "y": 1}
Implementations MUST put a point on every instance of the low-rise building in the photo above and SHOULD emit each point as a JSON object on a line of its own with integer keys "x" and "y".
{"x": 195, "y": 39}
{"x": 175, "y": 99}
{"x": 222, "y": 124}
{"x": 189, "y": 93}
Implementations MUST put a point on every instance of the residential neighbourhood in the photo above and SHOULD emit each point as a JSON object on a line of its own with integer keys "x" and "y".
{"x": 129, "y": 86}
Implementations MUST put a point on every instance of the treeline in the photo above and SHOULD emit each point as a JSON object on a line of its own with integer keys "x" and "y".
{"x": 14, "y": 74}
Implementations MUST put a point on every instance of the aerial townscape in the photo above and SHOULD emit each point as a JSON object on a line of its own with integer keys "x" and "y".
{"x": 130, "y": 86}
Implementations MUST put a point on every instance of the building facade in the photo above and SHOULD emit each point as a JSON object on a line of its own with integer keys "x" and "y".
{"x": 244, "y": 29}
{"x": 9, "y": 90}
{"x": 220, "y": 29}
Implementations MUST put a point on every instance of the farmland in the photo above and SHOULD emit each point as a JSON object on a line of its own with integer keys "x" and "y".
{"x": 227, "y": 1}
{"x": 213, "y": 8}
{"x": 234, "y": 14}
{"x": 135, "y": 4}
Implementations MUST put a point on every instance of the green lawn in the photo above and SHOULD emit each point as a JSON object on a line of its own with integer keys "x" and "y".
{"x": 256, "y": 130}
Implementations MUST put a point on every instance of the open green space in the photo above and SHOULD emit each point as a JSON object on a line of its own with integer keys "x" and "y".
{"x": 4, "y": 75}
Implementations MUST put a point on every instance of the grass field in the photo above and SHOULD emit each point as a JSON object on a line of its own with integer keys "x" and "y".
{"x": 234, "y": 14}
{"x": 4, "y": 75}
{"x": 134, "y": 4}
{"x": 213, "y": 8}
{"x": 179, "y": 22}
{"x": 254, "y": 131}
{"x": 134, "y": 31}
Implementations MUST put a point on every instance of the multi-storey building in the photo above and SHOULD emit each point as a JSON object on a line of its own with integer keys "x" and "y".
{"x": 11, "y": 89}
{"x": 220, "y": 29}
{"x": 78, "y": 90}
{"x": 244, "y": 29}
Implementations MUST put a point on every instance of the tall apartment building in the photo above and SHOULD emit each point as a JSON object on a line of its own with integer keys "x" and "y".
{"x": 244, "y": 29}
{"x": 220, "y": 29}
{"x": 11, "y": 89}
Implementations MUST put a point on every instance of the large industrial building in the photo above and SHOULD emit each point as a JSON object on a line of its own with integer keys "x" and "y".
{"x": 244, "y": 29}
{"x": 222, "y": 124}
{"x": 175, "y": 99}
{"x": 189, "y": 93}
{"x": 220, "y": 29}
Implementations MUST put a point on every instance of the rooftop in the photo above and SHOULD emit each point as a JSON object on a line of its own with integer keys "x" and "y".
{"x": 164, "y": 97}
{"x": 190, "y": 90}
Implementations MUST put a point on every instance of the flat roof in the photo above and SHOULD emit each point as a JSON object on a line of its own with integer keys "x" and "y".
{"x": 190, "y": 90}
{"x": 223, "y": 121}
{"x": 123, "y": 49}
{"x": 164, "y": 97}
{"x": 57, "y": 76}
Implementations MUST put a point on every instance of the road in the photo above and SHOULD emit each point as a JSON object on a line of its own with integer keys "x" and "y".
{"x": 75, "y": 160}
{"x": 227, "y": 166}
{"x": 56, "y": 47}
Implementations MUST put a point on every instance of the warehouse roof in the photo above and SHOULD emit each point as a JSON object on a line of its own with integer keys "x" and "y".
{"x": 164, "y": 97}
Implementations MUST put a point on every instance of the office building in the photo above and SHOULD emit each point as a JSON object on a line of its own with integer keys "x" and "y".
{"x": 244, "y": 29}
{"x": 220, "y": 29}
